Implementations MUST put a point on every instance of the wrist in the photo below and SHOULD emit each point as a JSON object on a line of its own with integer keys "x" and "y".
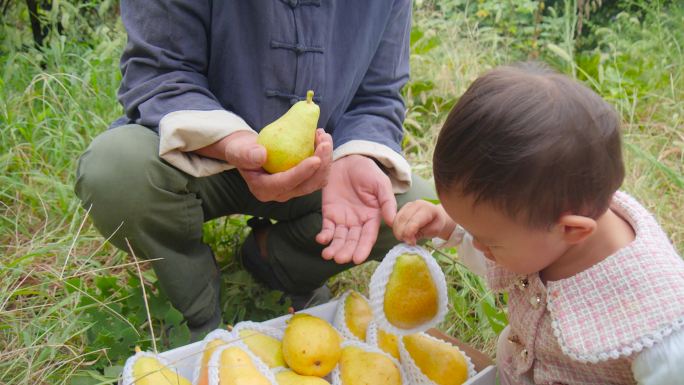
{"x": 216, "y": 150}
{"x": 377, "y": 162}
{"x": 381, "y": 166}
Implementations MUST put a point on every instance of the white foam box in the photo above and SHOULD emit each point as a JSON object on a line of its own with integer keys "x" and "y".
{"x": 184, "y": 357}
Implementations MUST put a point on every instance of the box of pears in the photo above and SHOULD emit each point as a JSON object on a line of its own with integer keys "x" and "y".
{"x": 388, "y": 338}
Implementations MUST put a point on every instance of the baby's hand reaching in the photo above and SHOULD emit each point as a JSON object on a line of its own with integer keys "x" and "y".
{"x": 421, "y": 219}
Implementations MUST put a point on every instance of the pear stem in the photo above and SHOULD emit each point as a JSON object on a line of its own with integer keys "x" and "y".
{"x": 309, "y": 96}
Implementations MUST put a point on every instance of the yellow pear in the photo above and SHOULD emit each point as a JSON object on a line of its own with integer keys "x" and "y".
{"x": 149, "y": 371}
{"x": 411, "y": 297}
{"x": 389, "y": 343}
{"x": 209, "y": 349}
{"x": 438, "y": 360}
{"x": 357, "y": 314}
{"x": 359, "y": 367}
{"x": 311, "y": 346}
{"x": 288, "y": 377}
{"x": 236, "y": 368}
{"x": 290, "y": 138}
{"x": 267, "y": 348}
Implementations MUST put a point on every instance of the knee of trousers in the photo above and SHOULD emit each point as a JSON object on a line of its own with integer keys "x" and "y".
{"x": 120, "y": 177}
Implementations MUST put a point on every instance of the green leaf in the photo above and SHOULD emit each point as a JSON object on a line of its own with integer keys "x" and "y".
{"x": 459, "y": 303}
{"x": 107, "y": 285}
{"x": 179, "y": 336}
{"x": 496, "y": 317}
{"x": 159, "y": 305}
{"x": 173, "y": 316}
{"x": 416, "y": 35}
{"x": 89, "y": 377}
{"x": 113, "y": 371}
{"x": 149, "y": 276}
{"x": 418, "y": 87}
{"x": 73, "y": 285}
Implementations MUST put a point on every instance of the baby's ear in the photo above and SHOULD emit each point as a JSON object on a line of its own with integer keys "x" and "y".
{"x": 575, "y": 228}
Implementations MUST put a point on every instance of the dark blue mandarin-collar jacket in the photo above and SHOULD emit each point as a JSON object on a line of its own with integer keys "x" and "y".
{"x": 197, "y": 71}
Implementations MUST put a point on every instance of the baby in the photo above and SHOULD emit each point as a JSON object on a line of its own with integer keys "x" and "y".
{"x": 527, "y": 168}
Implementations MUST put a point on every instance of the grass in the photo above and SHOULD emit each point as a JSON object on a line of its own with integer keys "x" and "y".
{"x": 70, "y": 304}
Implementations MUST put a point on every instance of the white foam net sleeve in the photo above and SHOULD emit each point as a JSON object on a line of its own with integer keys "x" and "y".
{"x": 218, "y": 334}
{"x": 336, "y": 375}
{"x": 278, "y": 370}
{"x": 127, "y": 375}
{"x": 415, "y": 375}
{"x": 372, "y": 334}
{"x": 215, "y": 363}
{"x": 259, "y": 327}
{"x": 378, "y": 284}
{"x": 340, "y": 320}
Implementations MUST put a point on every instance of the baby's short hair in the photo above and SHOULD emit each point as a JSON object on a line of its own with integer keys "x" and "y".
{"x": 533, "y": 143}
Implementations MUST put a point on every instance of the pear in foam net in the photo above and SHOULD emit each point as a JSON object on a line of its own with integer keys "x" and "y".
{"x": 210, "y": 343}
{"x": 146, "y": 368}
{"x": 263, "y": 341}
{"x": 353, "y": 315}
{"x": 362, "y": 364}
{"x": 311, "y": 346}
{"x": 411, "y": 294}
{"x": 234, "y": 365}
{"x": 433, "y": 361}
{"x": 408, "y": 291}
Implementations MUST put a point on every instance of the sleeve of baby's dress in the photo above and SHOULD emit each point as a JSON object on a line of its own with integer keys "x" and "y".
{"x": 662, "y": 363}
{"x": 471, "y": 257}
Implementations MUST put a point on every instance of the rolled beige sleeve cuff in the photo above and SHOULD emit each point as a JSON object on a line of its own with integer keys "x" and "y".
{"x": 181, "y": 132}
{"x": 398, "y": 168}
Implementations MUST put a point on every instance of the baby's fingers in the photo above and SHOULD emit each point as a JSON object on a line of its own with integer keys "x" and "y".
{"x": 408, "y": 222}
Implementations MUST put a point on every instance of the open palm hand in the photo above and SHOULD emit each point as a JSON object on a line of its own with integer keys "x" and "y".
{"x": 358, "y": 196}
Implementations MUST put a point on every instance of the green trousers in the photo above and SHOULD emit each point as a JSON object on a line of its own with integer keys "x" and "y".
{"x": 134, "y": 195}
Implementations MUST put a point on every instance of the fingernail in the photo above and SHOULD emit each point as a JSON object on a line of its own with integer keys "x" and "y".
{"x": 255, "y": 155}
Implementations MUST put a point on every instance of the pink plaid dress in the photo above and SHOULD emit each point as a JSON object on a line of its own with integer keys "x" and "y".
{"x": 588, "y": 329}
